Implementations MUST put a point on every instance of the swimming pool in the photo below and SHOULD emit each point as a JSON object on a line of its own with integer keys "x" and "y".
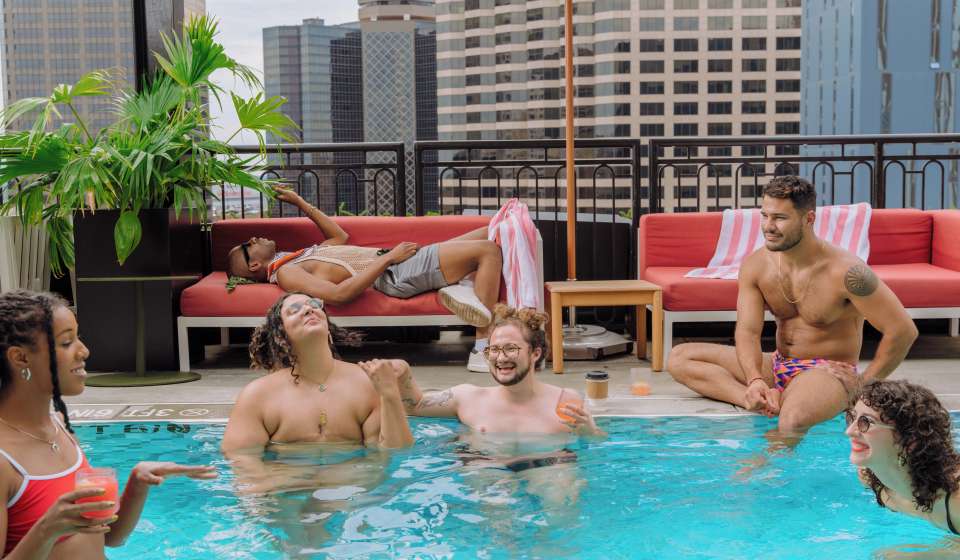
{"x": 657, "y": 488}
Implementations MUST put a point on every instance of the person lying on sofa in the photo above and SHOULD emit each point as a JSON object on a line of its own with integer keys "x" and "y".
{"x": 338, "y": 273}
{"x": 309, "y": 395}
{"x": 819, "y": 295}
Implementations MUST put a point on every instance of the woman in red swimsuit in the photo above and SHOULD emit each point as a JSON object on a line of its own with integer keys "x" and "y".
{"x": 42, "y": 358}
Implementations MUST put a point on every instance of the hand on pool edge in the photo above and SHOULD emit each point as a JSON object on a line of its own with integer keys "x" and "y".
{"x": 152, "y": 473}
{"x": 582, "y": 423}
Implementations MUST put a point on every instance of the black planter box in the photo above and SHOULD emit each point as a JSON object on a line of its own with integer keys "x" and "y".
{"x": 106, "y": 310}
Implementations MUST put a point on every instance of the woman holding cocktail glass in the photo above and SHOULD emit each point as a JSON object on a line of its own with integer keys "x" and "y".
{"x": 56, "y": 505}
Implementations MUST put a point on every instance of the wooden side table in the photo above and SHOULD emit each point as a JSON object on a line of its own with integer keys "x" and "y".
{"x": 599, "y": 293}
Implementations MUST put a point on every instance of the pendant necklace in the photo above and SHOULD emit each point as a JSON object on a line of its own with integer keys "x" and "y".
{"x": 296, "y": 379}
{"x": 54, "y": 446}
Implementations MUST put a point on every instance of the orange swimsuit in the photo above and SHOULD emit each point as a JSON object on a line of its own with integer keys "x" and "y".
{"x": 35, "y": 496}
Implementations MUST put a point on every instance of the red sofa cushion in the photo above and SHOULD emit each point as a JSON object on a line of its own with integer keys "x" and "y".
{"x": 917, "y": 285}
{"x": 921, "y": 284}
{"x": 209, "y": 298}
{"x": 897, "y": 236}
{"x": 946, "y": 239}
{"x": 366, "y": 231}
{"x": 692, "y": 294}
{"x": 900, "y": 236}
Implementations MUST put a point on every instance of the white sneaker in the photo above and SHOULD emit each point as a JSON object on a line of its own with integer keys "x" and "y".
{"x": 477, "y": 362}
{"x": 465, "y": 304}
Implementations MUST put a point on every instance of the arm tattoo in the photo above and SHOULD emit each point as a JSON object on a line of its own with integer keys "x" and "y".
{"x": 860, "y": 280}
{"x": 436, "y": 399}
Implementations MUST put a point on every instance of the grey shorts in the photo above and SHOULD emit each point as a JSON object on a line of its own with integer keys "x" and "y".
{"x": 420, "y": 273}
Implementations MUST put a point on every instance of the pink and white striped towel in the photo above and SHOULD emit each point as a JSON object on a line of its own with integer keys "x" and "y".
{"x": 845, "y": 226}
{"x": 516, "y": 234}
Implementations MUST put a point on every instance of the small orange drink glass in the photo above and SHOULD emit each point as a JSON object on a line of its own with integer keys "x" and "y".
{"x": 105, "y": 478}
{"x": 567, "y": 398}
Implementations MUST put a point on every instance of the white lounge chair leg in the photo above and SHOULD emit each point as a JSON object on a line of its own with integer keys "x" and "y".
{"x": 224, "y": 336}
{"x": 955, "y": 327}
{"x": 183, "y": 346}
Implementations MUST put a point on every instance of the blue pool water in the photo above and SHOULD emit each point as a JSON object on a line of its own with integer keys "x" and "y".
{"x": 657, "y": 488}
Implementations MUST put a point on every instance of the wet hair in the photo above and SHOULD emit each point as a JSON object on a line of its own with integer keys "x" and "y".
{"x": 270, "y": 349}
{"x": 24, "y": 316}
{"x": 923, "y": 435}
{"x": 800, "y": 191}
{"x": 529, "y": 321}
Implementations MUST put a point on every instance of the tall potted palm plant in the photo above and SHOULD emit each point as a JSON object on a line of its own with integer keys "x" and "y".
{"x": 140, "y": 178}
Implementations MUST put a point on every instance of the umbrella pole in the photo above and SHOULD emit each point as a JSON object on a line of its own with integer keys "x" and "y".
{"x": 571, "y": 172}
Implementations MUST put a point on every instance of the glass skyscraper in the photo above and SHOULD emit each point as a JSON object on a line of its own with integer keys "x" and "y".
{"x": 373, "y": 80}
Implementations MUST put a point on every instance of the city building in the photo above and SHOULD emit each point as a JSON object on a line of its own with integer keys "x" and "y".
{"x": 643, "y": 68}
{"x": 885, "y": 67}
{"x": 51, "y": 42}
{"x": 373, "y": 80}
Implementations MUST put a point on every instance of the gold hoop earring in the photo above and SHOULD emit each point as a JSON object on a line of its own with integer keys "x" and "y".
{"x": 26, "y": 374}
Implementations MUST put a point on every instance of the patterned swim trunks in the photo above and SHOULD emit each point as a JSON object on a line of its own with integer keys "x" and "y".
{"x": 785, "y": 369}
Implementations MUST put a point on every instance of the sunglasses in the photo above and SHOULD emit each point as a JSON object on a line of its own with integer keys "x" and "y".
{"x": 295, "y": 308}
{"x": 864, "y": 422}
{"x": 246, "y": 255}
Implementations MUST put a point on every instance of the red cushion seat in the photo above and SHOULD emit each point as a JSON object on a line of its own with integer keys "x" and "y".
{"x": 917, "y": 285}
{"x": 209, "y": 298}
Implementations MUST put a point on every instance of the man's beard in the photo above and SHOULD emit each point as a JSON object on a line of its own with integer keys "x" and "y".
{"x": 518, "y": 375}
{"x": 787, "y": 243}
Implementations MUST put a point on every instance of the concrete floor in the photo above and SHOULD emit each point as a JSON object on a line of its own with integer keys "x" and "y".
{"x": 934, "y": 361}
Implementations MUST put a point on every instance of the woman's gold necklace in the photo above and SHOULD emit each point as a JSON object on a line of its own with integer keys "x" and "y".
{"x": 54, "y": 446}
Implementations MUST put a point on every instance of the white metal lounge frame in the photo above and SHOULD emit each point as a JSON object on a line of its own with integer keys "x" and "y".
{"x": 225, "y": 323}
{"x": 671, "y": 318}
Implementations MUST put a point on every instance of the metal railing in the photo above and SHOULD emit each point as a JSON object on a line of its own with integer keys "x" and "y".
{"x": 888, "y": 171}
{"x": 355, "y": 178}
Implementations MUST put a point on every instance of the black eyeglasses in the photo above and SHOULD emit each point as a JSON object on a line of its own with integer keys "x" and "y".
{"x": 246, "y": 255}
{"x": 864, "y": 422}
{"x": 510, "y": 351}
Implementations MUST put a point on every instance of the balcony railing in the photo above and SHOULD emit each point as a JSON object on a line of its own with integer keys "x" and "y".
{"x": 348, "y": 178}
{"x": 888, "y": 171}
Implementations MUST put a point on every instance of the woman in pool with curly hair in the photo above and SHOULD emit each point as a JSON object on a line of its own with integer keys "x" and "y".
{"x": 901, "y": 440}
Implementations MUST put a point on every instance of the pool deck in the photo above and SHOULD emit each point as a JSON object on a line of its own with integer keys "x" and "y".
{"x": 934, "y": 361}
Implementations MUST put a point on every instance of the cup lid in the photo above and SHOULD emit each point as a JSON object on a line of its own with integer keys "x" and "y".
{"x": 598, "y": 375}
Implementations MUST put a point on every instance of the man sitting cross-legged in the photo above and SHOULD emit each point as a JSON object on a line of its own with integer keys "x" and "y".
{"x": 338, "y": 273}
{"x": 819, "y": 295}
{"x": 309, "y": 395}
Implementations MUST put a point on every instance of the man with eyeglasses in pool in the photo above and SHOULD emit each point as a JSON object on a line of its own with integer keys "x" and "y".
{"x": 519, "y": 402}
{"x": 338, "y": 273}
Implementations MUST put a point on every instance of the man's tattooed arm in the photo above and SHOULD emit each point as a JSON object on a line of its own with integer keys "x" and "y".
{"x": 437, "y": 403}
{"x": 860, "y": 280}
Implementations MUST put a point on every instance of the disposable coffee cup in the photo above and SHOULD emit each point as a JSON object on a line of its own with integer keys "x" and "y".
{"x": 597, "y": 384}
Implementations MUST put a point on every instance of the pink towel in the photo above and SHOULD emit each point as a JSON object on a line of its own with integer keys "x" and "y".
{"x": 516, "y": 234}
{"x": 845, "y": 226}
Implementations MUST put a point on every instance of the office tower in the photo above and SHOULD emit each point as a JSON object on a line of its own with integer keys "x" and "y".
{"x": 49, "y": 42}
{"x": 643, "y": 68}
{"x": 368, "y": 81}
{"x": 885, "y": 67}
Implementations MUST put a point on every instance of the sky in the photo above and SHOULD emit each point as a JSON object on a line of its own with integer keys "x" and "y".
{"x": 241, "y": 25}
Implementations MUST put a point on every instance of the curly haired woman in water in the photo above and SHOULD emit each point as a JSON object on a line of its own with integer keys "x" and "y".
{"x": 42, "y": 359}
{"x": 901, "y": 440}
